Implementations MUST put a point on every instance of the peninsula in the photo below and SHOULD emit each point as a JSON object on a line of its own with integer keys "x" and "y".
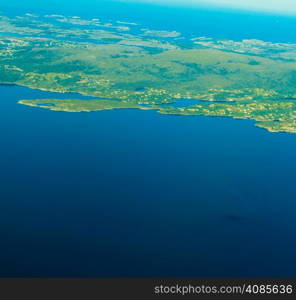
{"x": 124, "y": 66}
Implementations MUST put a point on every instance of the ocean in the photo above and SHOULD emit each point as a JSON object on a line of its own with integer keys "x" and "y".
{"x": 130, "y": 193}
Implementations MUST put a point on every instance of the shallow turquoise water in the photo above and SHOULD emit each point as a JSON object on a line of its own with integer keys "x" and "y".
{"x": 136, "y": 193}
{"x": 192, "y": 22}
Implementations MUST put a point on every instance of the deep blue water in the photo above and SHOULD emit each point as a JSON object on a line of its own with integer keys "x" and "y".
{"x": 136, "y": 193}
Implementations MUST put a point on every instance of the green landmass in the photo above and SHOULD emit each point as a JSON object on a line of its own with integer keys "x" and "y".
{"x": 74, "y": 105}
{"x": 121, "y": 69}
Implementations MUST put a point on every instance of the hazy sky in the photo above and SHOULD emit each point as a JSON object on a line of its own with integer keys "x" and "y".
{"x": 287, "y": 6}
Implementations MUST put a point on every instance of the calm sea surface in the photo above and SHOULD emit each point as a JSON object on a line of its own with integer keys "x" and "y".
{"x": 136, "y": 193}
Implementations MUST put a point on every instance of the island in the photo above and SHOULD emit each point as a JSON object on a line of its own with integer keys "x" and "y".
{"x": 121, "y": 65}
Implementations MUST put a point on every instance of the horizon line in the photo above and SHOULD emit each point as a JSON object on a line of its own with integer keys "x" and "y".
{"x": 217, "y": 6}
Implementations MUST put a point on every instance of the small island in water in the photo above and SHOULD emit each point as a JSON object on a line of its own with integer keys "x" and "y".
{"x": 123, "y": 66}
